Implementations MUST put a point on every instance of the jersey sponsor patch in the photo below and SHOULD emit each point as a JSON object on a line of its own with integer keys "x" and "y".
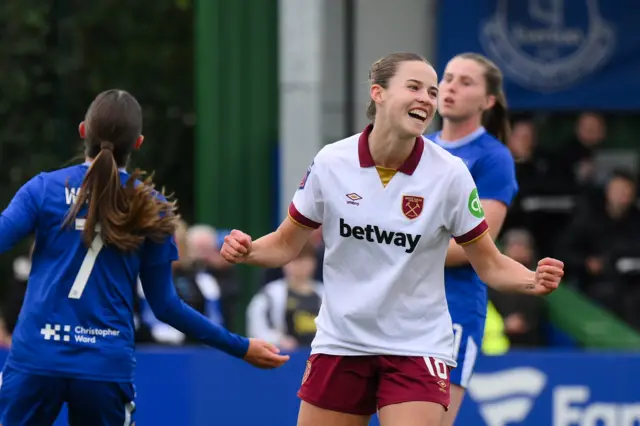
{"x": 475, "y": 206}
{"x": 303, "y": 182}
{"x": 374, "y": 234}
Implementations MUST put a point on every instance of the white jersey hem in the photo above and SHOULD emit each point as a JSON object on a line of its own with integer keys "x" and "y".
{"x": 337, "y": 351}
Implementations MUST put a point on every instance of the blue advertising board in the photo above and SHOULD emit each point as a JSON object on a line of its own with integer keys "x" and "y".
{"x": 197, "y": 387}
{"x": 555, "y": 389}
{"x": 554, "y": 54}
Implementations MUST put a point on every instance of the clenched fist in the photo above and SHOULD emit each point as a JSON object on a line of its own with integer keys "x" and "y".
{"x": 548, "y": 275}
{"x": 236, "y": 247}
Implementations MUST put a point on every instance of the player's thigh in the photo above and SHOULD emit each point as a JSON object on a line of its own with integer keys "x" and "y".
{"x": 457, "y": 395}
{"x": 310, "y": 415}
{"x": 340, "y": 384}
{"x": 414, "y": 413}
{"x": 101, "y": 403}
{"x": 30, "y": 400}
{"x": 413, "y": 391}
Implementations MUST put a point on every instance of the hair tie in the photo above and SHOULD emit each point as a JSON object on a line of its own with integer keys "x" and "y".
{"x": 106, "y": 146}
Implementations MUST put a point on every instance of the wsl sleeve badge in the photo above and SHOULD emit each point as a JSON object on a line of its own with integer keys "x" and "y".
{"x": 303, "y": 182}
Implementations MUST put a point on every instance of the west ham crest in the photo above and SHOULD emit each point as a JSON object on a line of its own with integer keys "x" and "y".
{"x": 412, "y": 206}
{"x": 307, "y": 371}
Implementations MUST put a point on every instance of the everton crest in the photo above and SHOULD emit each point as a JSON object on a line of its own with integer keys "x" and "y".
{"x": 548, "y": 45}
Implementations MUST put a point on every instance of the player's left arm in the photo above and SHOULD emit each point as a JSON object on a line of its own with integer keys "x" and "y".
{"x": 497, "y": 186}
{"x": 465, "y": 220}
{"x": 19, "y": 219}
{"x": 505, "y": 274}
{"x": 495, "y": 213}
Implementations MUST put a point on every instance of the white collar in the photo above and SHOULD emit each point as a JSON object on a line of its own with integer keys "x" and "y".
{"x": 459, "y": 142}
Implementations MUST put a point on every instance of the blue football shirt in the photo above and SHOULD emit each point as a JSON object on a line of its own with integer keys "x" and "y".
{"x": 493, "y": 170}
{"x": 77, "y": 316}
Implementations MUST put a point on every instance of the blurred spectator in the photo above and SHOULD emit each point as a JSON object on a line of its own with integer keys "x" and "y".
{"x": 603, "y": 230}
{"x": 576, "y": 166}
{"x": 543, "y": 203}
{"x": 494, "y": 338}
{"x": 532, "y": 165}
{"x": 195, "y": 285}
{"x": 204, "y": 252}
{"x": 317, "y": 242}
{"x": 531, "y": 170}
{"x": 524, "y": 316}
{"x": 16, "y": 288}
{"x": 284, "y": 311}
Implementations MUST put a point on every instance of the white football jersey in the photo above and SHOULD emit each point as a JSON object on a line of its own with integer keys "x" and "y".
{"x": 386, "y": 247}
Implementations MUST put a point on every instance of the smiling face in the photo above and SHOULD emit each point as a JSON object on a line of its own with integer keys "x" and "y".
{"x": 409, "y": 101}
{"x": 463, "y": 91}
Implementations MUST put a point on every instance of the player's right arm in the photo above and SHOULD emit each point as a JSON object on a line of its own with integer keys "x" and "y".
{"x": 284, "y": 244}
{"x": 19, "y": 219}
{"x": 271, "y": 251}
{"x": 157, "y": 284}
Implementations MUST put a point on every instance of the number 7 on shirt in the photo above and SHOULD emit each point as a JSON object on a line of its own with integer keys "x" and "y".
{"x": 87, "y": 263}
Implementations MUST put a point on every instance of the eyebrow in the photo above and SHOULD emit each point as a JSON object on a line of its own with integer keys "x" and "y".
{"x": 422, "y": 84}
{"x": 467, "y": 76}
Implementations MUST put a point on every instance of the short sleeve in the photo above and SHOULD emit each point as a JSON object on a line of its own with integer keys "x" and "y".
{"x": 464, "y": 217}
{"x": 496, "y": 177}
{"x": 307, "y": 207}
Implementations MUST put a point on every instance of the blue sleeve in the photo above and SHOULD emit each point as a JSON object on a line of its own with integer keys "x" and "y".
{"x": 146, "y": 314}
{"x": 213, "y": 311}
{"x": 157, "y": 284}
{"x": 495, "y": 177}
{"x": 21, "y": 216}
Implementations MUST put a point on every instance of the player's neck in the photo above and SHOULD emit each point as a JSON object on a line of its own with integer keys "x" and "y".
{"x": 89, "y": 160}
{"x": 388, "y": 149}
{"x": 452, "y": 131}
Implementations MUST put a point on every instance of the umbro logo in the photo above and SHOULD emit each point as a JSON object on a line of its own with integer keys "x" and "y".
{"x": 353, "y": 199}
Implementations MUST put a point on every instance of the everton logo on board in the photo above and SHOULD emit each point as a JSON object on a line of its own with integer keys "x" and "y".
{"x": 548, "y": 45}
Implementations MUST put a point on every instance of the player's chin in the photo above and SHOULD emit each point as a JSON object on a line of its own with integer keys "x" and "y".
{"x": 416, "y": 127}
{"x": 449, "y": 113}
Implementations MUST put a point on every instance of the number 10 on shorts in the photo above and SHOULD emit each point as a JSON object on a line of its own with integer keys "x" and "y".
{"x": 436, "y": 367}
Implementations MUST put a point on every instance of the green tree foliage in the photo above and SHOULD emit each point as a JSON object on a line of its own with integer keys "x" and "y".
{"x": 57, "y": 55}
